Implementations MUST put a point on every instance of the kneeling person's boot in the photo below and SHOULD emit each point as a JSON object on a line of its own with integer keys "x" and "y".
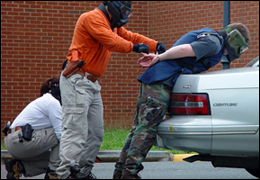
{"x": 51, "y": 174}
{"x": 14, "y": 169}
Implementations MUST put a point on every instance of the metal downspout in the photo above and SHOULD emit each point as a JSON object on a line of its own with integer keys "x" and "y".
{"x": 226, "y": 21}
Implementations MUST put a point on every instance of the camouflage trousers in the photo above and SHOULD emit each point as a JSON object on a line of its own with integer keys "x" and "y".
{"x": 152, "y": 103}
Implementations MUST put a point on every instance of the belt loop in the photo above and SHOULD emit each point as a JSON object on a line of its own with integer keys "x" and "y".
{"x": 91, "y": 78}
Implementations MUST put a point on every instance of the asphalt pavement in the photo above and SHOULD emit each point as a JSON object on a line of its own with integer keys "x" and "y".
{"x": 107, "y": 156}
{"x": 158, "y": 159}
{"x": 166, "y": 170}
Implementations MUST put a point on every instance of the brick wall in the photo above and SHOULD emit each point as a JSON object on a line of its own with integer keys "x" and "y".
{"x": 35, "y": 37}
{"x": 174, "y": 18}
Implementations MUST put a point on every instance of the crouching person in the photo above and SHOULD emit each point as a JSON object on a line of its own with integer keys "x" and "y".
{"x": 33, "y": 137}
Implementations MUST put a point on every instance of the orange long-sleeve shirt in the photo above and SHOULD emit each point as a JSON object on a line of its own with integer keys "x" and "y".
{"x": 93, "y": 42}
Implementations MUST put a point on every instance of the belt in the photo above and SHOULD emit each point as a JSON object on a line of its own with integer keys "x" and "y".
{"x": 14, "y": 129}
{"x": 89, "y": 77}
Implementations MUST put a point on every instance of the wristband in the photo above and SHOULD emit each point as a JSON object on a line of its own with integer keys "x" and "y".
{"x": 158, "y": 58}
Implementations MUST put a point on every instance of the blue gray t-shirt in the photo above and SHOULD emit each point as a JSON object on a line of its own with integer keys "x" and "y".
{"x": 205, "y": 46}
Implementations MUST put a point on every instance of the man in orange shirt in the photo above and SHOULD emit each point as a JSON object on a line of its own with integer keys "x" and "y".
{"x": 96, "y": 35}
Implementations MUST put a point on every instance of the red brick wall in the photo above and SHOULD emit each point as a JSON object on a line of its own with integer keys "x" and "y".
{"x": 168, "y": 20}
{"x": 35, "y": 37}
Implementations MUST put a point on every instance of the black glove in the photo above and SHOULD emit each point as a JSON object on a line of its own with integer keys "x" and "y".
{"x": 160, "y": 48}
{"x": 141, "y": 48}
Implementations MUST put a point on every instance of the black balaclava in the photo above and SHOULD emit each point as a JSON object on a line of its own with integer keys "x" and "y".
{"x": 55, "y": 91}
{"x": 114, "y": 8}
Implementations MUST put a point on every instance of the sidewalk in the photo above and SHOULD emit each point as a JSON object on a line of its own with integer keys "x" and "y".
{"x": 113, "y": 155}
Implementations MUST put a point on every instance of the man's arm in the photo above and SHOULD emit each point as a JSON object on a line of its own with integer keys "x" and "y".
{"x": 184, "y": 50}
{"x": 137, "y": 38}
{"x": 203, "y": 47}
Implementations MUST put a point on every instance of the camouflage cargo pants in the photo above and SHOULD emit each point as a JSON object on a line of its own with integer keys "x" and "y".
{"x": 152, "y": 103}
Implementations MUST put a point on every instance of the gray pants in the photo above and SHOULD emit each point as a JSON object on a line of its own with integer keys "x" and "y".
{"x": 35, "y": 154}
{"x": 82, "y": 124}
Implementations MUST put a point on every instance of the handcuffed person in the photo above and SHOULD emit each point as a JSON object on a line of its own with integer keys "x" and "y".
{"x": 33, "y": 137}
{"x": 194, "y": 52}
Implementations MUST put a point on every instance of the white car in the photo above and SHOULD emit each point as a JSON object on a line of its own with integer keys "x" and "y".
{"x": 216, "y": 114}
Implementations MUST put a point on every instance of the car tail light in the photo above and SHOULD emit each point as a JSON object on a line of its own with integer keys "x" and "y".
{"x": 189, "y": 104}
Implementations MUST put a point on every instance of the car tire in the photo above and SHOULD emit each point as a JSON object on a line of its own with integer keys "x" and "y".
{"x": 254, "y": 172}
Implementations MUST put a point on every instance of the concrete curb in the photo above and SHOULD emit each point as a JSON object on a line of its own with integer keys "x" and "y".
{"x": 113, "y": 155}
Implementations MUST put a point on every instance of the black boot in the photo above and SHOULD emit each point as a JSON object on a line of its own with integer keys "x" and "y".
{"x": 117, "y": 174}
{"x": 14, "y": 169}
{"x": 51, "y": 174}
{"x": 90, "y": 176}
{"x": 132, "y": 173}
{"x": 118, "y": 170}
{"x": 128, "y": 175}
{"x": 73, "y": 172}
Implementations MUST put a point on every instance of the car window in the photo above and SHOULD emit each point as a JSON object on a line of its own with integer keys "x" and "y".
{"x": 253, "y": 63}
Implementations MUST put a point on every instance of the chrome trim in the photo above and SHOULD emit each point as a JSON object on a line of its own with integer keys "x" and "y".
{"x": 187, "y": 104}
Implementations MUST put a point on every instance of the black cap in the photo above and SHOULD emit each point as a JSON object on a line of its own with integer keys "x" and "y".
{"x": 126, "y": 3}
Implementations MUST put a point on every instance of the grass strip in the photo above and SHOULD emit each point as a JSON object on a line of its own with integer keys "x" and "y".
{"x": 114, "y": 139}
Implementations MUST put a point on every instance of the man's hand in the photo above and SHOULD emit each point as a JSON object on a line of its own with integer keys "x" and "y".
{"x": 141, "y": 48}
{"x": 160, "y": 48}
{"x": 147, "y": 60}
